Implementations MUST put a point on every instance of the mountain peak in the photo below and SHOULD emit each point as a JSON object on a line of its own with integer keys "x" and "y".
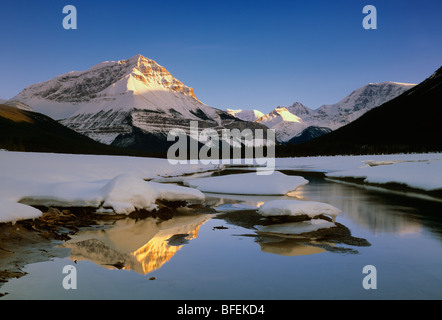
{"x": 299, "y": 109}
{"x": 246, "y": 115}
{"x": 138, "y": 57}
{"x": 155, "y": 76}
{"x": 279, "y": 114}
{"x": 139, "y": 60}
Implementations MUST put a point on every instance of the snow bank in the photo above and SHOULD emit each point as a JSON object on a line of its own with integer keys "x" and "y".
{"x": 276, "y": 183}
{"x": 170, "y": 192}
{"x": 123, "y": 194}
{"x": 294, "y": 228}
{"x": 296, "y": 208}
{"x": 420, "y": 171}
{"x": 49, "y": 167}
{"x": 126, "y": 193}
{"x": 424, "y": 175}
{"x": 13, "y": 211}
{"x": 291, "y": 207}
{"x": 105, "y": 182}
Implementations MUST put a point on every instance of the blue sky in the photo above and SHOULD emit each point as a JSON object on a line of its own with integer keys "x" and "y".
{"x": 235, "y": 54}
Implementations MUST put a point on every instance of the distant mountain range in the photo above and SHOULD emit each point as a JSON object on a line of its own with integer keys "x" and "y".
{"x": 408, "y": 123}
{"x": 133, "y": 104}
{"x": 289, "y": 122}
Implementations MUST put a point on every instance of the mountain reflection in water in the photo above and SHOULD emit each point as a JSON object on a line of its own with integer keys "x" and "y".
{"x": 139, "y": 245}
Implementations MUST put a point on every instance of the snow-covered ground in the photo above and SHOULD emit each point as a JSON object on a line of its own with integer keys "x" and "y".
{"x": 418, "y": 171}
{"x": 106, "y": 182}
{"x": 117, "y": 183}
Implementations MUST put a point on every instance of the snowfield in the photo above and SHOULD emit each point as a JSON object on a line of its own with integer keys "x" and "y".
{"x": 418, "y": 171}
{"x": 118, "y": 183}
{"x": 424, "y": 175}
{"x": 115, "y": 183}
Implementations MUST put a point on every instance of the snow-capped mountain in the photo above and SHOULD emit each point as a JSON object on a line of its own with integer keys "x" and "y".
{"x": 117, "y": 102}
{"x": 356, "y": 104}
{"x": 290, "y": 121}
{"x": 246, "y": 115}
{"x": 300, "y": 110}
{"x": 394, "y": 127}
{"x": 278, "y": 115}
{"x": 136, "y": 83}
{"x": 285, "y": 123}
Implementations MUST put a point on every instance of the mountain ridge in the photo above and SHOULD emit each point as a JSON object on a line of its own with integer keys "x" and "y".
{"x": 116, "y": 102}
{"x": 138, "y": 102}
{"x": 290, "y": 121}
{"x": 391, "y": 132}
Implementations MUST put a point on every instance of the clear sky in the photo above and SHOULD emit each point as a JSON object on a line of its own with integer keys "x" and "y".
{"x": 235, "y": 54}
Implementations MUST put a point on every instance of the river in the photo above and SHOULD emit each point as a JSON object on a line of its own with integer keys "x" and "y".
{"x": 203, "y": 256}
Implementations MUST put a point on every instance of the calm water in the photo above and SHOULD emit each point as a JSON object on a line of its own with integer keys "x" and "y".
{"x": 192, "y": 259}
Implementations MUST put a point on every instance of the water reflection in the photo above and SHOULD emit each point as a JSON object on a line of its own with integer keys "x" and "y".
{"x": 375, "y": 210}
{"x": 292, "y": 236}
{"x": 289, "y": 236}
{"x": 289, "y": 247}
{"x": 372, "y": 210}
{"x": 139, "y": 245}
{"x": 145, "y": 245}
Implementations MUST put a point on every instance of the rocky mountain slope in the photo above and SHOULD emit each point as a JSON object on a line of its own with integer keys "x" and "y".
{"x": 23, "y": 130}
